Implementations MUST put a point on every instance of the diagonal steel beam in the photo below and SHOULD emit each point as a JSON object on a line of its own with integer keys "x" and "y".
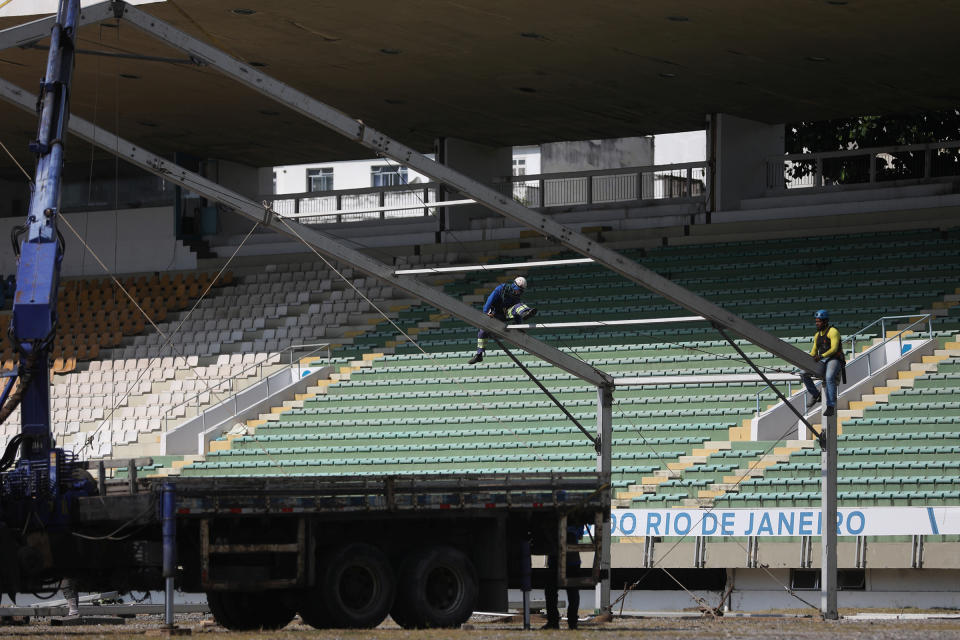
{"x": 29, "y": 32}
{"x": 497, "y": 202}
{"x": 323, "y": 243}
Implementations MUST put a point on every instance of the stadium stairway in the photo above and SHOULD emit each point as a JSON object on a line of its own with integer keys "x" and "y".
{"x": 706, "y": 464}
{"x": 249, "y": 428}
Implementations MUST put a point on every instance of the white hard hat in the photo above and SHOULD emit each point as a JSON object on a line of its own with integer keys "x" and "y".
{"x": 521, "y": 282}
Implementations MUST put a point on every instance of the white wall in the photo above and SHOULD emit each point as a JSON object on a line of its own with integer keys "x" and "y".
{"x": 584, "y": 155}
{"x": 44, "y": 7}
{"x": 683, "y": 146}
{"x": 530, "y": 155}
{"x": 127, "y": 241}
{"x": 349, "y": 174}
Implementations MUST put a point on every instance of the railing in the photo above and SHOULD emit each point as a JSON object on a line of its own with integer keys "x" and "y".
{"x": 836, "y": 169}
{"x": 607, "y": 186}
{"x": 686, "y": 181}
{"x": 352, "y": 205}
{"x": 235, "y": 391}
{"x": 868, "y": 358}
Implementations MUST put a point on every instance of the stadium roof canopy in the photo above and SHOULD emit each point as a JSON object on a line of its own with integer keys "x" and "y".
{"x": 499, "y": 72}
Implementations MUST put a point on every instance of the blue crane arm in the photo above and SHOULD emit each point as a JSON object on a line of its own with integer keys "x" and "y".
{"x": 39, "y": 245}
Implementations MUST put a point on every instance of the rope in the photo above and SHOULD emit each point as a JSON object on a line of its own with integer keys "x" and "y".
{"x": 168, "y": 338}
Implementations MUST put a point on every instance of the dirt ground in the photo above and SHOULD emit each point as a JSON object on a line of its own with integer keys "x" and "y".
{"x": 783, "y": 626}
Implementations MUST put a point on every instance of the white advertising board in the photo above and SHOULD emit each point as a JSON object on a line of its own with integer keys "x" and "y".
{"x": 865, "y": 521}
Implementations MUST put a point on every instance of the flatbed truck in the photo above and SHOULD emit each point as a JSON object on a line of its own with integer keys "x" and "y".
{"x": 340, "y": 551}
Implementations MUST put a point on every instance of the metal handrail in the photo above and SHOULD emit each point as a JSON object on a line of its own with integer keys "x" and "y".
{"x": 411, "y": 186}
{"x": 926, "y": 317}
{"x": 925, "y": 154}
{"x": 925, "y": 146}
{"x": 235, "y": 392}
{"x": 701, "y": 164}
{"x": 422, "y": 191}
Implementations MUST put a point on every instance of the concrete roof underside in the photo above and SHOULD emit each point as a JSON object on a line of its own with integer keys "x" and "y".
{"x": 500, "y": 72}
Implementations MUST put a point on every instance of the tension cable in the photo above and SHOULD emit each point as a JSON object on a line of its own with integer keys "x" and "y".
{"x": 816, "y": 434}
{"x": 592, "y": 438}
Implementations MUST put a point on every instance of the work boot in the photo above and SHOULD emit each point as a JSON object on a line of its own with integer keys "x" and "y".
{"x": 829, "y": 411}
{"x": 551, "y": 624}
{"x": 477, "y": 357}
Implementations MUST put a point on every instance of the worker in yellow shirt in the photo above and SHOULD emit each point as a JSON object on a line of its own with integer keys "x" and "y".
{"x": 827, "y": 349}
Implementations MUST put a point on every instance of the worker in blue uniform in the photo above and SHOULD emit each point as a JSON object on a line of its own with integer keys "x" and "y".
{"x": 504, "y": 304}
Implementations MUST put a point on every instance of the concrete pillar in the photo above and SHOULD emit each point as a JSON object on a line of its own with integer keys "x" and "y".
{"x": 739, "y": 149}
{"x": 480, "y": 162}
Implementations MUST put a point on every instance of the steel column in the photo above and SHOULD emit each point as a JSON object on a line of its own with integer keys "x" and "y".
{"x": 605, "y": 435}
{"x": 828, "y": 512}
{"x": 503, "y": 204}
{"x": 169, "y": 533}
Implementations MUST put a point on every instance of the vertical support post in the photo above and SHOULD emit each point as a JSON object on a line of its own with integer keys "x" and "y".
{"x": 605, "y": 435}
{"x": 169, "y": 505}
{"x": 132, "y": 475}
{"x": 526, "y": 573}
{"x": 828, "y": 510}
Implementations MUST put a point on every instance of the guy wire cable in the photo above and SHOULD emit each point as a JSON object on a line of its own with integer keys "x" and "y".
{"x": 168, "y": 337}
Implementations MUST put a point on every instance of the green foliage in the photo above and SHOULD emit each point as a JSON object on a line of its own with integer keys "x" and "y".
{"x": 863, "y": 132}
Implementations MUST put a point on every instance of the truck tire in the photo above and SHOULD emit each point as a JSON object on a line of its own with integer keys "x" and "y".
{"x": 437, "y": 588}
{"x": 239, "y": 611}
{"x": 355, "y": 589}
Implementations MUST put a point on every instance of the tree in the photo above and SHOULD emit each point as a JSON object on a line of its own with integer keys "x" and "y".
{"x": 863, "y": 132}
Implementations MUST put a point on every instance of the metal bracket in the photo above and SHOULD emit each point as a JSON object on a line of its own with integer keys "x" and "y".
{"x": 753, "y": 545}
{"x": 268, "y": 214}
{"x": 700, "y": 552}
{"x": 806, "y": 552}
{"x": 119, "y": 7}
{"x": 916, "y": 552}
{"x": 861, "y": 556}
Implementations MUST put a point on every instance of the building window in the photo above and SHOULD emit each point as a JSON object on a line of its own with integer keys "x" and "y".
{"x": 320, "y": 179}
{"x": 387, "y": 176}
{"x": 519, "y": 166}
